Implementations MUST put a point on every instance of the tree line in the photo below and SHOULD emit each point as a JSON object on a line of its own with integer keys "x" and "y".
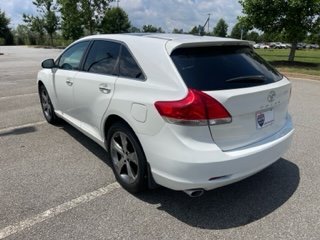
{"x": 289, "y": 21}
{"x": 76, "y": 18}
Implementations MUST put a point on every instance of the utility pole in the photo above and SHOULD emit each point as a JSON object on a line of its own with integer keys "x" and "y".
{"x": 209, "y": 14}
{"x": 118, "y": 1}
{"x": 207, "y": 23}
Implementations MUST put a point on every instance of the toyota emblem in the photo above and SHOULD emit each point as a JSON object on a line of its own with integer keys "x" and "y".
{"x": 271, "y": 96}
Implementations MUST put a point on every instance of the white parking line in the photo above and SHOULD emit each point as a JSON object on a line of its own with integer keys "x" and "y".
{"x": 21, "y": 126}
{"x": 18, "y": 227}
{"x": 21, "y": 95}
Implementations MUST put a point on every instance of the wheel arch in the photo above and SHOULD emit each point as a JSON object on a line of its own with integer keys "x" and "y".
{"x": 113, "y": 118}
{"x": 40, "y": 83}
{"x": 109, "y": 121}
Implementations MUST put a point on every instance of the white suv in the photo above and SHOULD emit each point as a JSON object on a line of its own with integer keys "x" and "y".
{"x": 186, "y": 112}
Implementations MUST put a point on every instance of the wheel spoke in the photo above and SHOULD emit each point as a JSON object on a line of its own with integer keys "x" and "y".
{"x": 119, "y": 165}
{"x": 117, "y": 147}
{"x": 44, "y": 100}
{"x": 49, "y": 109}
{"x": 129, "y": 170}
{"x": 132, "y": 157}
{"x": 124, "y": 142}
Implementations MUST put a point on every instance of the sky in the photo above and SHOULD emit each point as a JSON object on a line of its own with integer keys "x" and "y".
{"x": 168, "y": 14}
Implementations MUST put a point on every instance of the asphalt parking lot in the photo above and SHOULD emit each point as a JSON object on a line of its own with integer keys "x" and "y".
{"x": 55, "y": 183}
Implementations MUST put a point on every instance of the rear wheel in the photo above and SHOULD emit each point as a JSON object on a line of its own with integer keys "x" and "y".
{"x": 47, "y": 107}
{"x": 128, "y": 160}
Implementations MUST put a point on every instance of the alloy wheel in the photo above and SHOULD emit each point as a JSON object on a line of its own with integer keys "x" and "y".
{"x": 46, "y": 104}
{"x": 124, "y": 157}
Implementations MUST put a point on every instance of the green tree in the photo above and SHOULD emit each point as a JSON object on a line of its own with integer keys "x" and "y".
{"x": 92, "y": 13}
{"x": 48, "y": 17}
{"x": 177, "y": 31}
{"x": 134, "y": 29}
{"x": 151, "y": 29}
{"x": 71, "y": 16}
{"x": 115, "y": 21}
{"x": 294, "y": 18}
{"x": 5, "y": 32}
{"x": 238, "y": 31}
{"x": 21, "y": 34}
{"x": 82, "y": 16}
{"x": 4, "y": 24}
{"x": 271, "y": 37}
{"x": 253, "y": 36}
{"x": 160, "y": 30}
{"x": 197, "y": 30}
{"x": 314, "y": 38}
{"x": 221, "y": 29}
{"x": 35, "y": 27}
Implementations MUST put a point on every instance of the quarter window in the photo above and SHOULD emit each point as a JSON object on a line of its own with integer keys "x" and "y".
{"x": 71, "y": 58}
{"x": 128, "y": 66}
{"x": 102, "y": 57}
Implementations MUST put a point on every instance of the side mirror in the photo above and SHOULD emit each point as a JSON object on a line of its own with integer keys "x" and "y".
{"x": 49, "y": 63}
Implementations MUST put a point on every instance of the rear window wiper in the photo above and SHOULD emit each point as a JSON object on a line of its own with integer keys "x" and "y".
{"x": 248, "y": 79}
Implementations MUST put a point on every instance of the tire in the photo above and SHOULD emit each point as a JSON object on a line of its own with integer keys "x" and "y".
{"x": 128, "y": 161}
{"x": 47, "y": 107}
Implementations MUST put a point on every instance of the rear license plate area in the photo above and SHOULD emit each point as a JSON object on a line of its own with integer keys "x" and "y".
{"x": 264, "y": 118}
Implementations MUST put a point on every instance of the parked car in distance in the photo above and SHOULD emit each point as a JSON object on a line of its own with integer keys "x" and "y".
{"x": 301, "y": 46}
{"x": 288, "y": 45}
{"x": 190, "y": 113}
{"x": 312, "y": 46}
{"x": 278, "y": 45}
{"x": 256, "y": 45}
{"x": 264, "y": 46}
{"x": 261, "y": 46}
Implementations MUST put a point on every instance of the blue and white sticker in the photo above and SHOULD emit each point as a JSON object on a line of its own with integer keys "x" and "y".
{"x": 264, "y": 118}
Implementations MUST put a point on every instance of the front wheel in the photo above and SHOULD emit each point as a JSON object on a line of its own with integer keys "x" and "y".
{"x": 128, "y": 160}
{"x": 47, "y": 107}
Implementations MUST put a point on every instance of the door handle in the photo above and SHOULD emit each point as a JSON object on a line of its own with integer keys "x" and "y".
{"x": 104, "y": 88}
{"x": 69, "y": 82}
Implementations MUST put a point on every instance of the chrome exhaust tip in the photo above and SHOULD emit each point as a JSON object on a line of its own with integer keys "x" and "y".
{"x": 194, "y": 192}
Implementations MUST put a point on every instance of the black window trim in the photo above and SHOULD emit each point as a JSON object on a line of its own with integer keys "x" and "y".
{"x": 117, "y": 66}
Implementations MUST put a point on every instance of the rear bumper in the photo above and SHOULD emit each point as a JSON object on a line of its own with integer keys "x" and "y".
{"x": 181, "y": 164}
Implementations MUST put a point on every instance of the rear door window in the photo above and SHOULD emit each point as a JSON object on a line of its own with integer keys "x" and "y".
{"x": 223, "y": 67}
{"x": 102, "y": 57}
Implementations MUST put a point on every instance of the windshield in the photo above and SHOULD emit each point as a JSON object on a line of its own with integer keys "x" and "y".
{"x": 223, "y": 67}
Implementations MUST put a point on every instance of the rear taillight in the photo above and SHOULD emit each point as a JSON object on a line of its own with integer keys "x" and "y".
{"x": 196, "y": 109}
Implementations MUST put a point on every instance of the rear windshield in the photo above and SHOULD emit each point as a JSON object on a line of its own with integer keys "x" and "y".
{"x": 219, "y": 68}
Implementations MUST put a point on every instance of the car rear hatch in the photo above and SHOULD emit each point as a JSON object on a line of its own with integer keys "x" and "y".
{"x": 253, "y": 92}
